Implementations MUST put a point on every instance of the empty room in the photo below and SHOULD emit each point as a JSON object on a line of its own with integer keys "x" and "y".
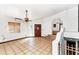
{"x": 39, "y": 29}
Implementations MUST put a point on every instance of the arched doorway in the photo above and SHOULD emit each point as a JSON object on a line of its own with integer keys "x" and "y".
{"x": 56, "y": 26}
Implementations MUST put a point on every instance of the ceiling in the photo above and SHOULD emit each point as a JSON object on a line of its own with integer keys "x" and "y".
{"x": 35, "y": 11}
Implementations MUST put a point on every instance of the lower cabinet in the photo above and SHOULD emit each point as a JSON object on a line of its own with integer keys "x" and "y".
{"x": 71, "y": 46}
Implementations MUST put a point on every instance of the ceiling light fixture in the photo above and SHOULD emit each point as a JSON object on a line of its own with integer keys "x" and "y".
{"x": 26, "y": 18}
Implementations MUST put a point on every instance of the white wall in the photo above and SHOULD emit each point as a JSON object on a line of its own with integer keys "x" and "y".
{"x": 8, "y": 13}
{"x": 4, "y": 29}
{"x": 26, "y": 29}
{"x": 69, "y": 18}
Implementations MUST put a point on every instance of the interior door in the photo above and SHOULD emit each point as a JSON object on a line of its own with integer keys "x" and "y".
{"x": 37, "y": 30}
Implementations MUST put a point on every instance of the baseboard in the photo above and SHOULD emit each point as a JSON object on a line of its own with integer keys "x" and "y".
{"x": 20, "y": 39}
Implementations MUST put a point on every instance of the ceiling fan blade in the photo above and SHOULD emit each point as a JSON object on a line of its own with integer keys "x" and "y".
{"x": 19, "y": 18}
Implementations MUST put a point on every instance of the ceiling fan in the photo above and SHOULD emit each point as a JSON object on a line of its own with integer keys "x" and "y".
{"x": 26, "y": 19}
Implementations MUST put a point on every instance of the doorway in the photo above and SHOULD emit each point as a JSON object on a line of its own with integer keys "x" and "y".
{"x": 37, "y": 30}
{"x": 56, "y": 26}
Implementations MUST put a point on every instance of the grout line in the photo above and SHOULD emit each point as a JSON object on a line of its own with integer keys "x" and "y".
{"x": 4, "y": 49}
{"x": 19, "y": 48}
{"x": 12, "y": 49}
{"x": 23, "y": 45}
{"x": 19, "y": 42}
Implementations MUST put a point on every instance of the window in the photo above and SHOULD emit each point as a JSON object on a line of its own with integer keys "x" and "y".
{"x": 14, "y": 27}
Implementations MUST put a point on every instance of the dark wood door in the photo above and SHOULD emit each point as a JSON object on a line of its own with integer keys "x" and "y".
{"x": 37, "y": 30}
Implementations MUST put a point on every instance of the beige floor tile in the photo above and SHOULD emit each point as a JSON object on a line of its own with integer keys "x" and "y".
{"x": 27, "y": 46}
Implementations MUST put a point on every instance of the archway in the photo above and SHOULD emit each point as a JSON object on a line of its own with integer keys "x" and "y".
{"x": 56, "y": 26}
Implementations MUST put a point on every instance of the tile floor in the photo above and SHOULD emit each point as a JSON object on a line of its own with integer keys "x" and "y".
{"x": 28, "y": 46}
